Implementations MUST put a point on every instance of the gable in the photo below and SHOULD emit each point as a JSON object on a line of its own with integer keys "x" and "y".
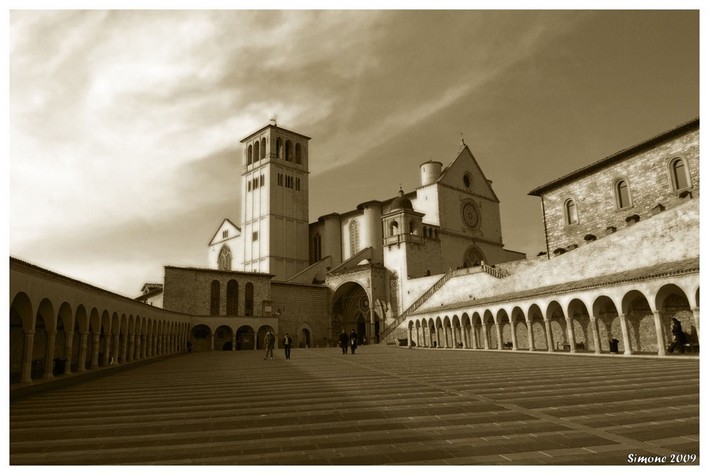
{"x": 232, "y": 231}
{"x": 464, "y": 173}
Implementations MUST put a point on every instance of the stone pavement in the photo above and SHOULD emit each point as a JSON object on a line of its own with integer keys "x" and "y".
{"x": 384, "y": 405}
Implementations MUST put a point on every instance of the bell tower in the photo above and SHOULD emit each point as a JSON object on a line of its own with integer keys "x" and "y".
{"x": 274, "y": 202}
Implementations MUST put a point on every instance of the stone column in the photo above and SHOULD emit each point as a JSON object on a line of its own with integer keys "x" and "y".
{"x": 69, "y": 351}
{"x": 139, "y": 346}
{"x": 660, "y": 333}
{"x": 124, "y": 348}
{"x": 107, "y": 350}
{"x": 131, "y": 346}
{"x": 465, "y": 337}
{"x": 473, "y": 338}
{"x": 486, "y": 340}
{"x": 49, "y": 358}
{"x": 626, "y": 334}
{"x": 695, "y": 316}
{"x": 83, "y": 347}
{"x": 211, "y": 345}
{"x": 233, "y": 343}
{"x": 530, "y": 335}
{"x": 596, "y": 337}
{"x": 94, "y": 353}
{"x": 116, "y": 347}
{"x": 513, "y": 334}
{"x": 570, "y": 334}
{"x": 409, "y": 336}
{"x": 26, "y": 376}
{"x": 498, "y": 332}
{"x": 547, "y": 331}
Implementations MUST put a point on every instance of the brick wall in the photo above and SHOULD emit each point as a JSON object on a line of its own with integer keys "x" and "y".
{"x": 302, "y": 306}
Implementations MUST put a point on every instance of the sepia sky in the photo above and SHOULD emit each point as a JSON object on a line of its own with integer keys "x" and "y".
{"x": 125, "y": 125}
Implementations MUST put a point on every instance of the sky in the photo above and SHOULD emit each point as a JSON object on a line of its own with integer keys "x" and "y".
{"x": 125, "y": 126}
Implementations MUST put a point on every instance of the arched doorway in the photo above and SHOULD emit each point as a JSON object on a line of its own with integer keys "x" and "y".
{"x": 201, "y": 337}
{"x": 245, "y": 338}
{"x": 473, "y": 257}
{"x": 351, "y": 311}
{"x": 304, "y": 338}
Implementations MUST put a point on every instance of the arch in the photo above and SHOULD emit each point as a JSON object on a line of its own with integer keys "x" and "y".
{"x": 350, "y": 310}
{"x": 257, "y": 151}
{"x": 413, "y": 229}
{"x": 249, "y": 299}
{"x": 393, "y": 228}
{"x": 263, "y": 147}
{"x": 673, "y": 303}
{"x": 473, "y": 256}
{"x": 640, "y": 322}
{"x": 298, "y": 154}
{"x": 201, "y": 337}
{"x": 214, "y": 298}
{"x": 245, "y": 338}
{"x": 249, "y": 155}
{"x": 680, "y": 178}
{"x": 622, "y": 194}
{"x": 540, "y": 336}
{"x": 557, "y": 325}
{"x": 571, "y": 212}
{"x": 43, "y": 325}
{"x": 279, "y": 148}
{"x": 223, "y": 338}
{"x": 232, "y": 297}
{"x": 289, "y": 151}
{"x": 261, "y": 335}
{"x": 608, "y": 322}
{"x": 582, "y": 331}
{"x": 224, "y": 260}
{"x": 21, "y": 321}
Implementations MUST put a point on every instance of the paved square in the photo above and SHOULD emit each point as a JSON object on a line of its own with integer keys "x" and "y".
{"x": 384, "y": 405}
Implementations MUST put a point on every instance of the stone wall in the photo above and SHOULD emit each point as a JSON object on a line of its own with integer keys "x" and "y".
{"x": 302, "y": 306}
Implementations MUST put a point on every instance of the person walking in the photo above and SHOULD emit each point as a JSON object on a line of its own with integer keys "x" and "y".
{"x": 344, "y": 342}
{"x": 353, "y": 341}
{"x": 678, "y": 339}
{"x": 287, "y": 342}
{"x": 269, "y": 340}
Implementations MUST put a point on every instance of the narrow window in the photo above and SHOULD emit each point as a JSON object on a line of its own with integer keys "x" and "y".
{"x": 572, "y": 216}
{"x": 317, "y": 248}
{"x": 279, "y": 148}
{"x": 249, "y": 155}
{"x": 680, "y": 177}
{"x": 263, "y": 147}
{"x": 232, "y": 297}
{"x": 298, "y": 154}
{"x": 393, "y": 228}
{"x": 354, "y": 237}
{"x": 225, "y": 234}
{"x": 622, "y": 194}
{"x": 289, "y": 151}
{"x": 262, "y": 180}
{"x": 249, "y": 300}
{"x": 248, "y": 186}
{"x": 257, "y": 152}
{"x": 224, "y": 258}
{"x": 214, "y": 301}
{"x": 254, "y": 236}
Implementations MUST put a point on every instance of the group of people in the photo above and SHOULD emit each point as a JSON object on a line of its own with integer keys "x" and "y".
{"x": 270, "y": 341}
{"x": 348, "y": 341}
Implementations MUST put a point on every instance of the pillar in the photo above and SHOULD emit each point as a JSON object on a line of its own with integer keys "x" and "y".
{"x": 547, "y": 331}
{"x": 626, "y": 334}
{"x": 570, "y": 334}
{"x": 473, "y": 338}
{"x": 49, "y": 358}
{"x": 116, "y": 347}
{"x": 131, "y": 346}
{"x": 513, "y": 334}
{"x": 695, "y": 316}
{"x": 82, "y": 351}
{"x": 69, "y": 351}
{"x": 596, "y": 337}
{"x": 107, "y": 350}
{"x": 94, "y": 353}
{"x": 26, "y": 376}
{"x": 233, "y": 342}
{"x": 486, "y": 340}
{"x": 124, "y": 348}
{"x": 530, "y": 335}
{"x": 498, "y": 332}
{"x": 660, "y": 333}
{"x": 211, "y": 345}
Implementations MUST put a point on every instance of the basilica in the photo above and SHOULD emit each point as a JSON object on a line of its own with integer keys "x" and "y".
{"x": 425, "y": 268}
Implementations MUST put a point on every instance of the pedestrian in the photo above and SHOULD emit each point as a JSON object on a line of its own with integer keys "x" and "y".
{"x": 269, "y": 340}
{"x": 353, "y": 341}
{"x": 287, "y": 342}
{"x": 678, "y": 338}
{"x": 344, "y": 343}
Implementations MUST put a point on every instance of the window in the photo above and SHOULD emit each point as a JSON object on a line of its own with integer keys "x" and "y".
{"x": 354, "y": 237}
{"x": 263, "y": 147}
{"x": 214, "y": 300}
{"x": 249, "y": 155}
{"x": 279, "y": 148}
{"x": 257, "y": 153}
{"x": 317, "y": 248}
{"x": 289, "y": 151}
{"x": 280, "y": 179}
{"x": 225, "y": 234}
{"x": 468, "y": 180}
{"x": 232, "y": 297}
{"x": 248, "y": 186}
{"x": 262, "y": 180}
{"x": 393, "y": 228}
{"x": 679, "y": 174}
{"x": 622, "y": 194}
{"x": 571, "y": 212}
{"x": 298, "y": 154}
{"x": 254, "y": 236}
{"x": 297, "y": 184}
{"x": 249, "y": 300}
{"x": 224, "y": 258}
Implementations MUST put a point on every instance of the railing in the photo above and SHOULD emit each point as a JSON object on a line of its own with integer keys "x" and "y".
{"x": 494, "y": 271}
{"x": 414, "y": 306}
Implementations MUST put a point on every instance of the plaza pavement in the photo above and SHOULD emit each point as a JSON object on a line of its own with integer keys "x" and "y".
{"x": 384, "y": 405}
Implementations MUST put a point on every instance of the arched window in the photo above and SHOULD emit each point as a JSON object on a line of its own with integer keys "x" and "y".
{"x": 279, "y": 148}
{"x": 298, "y": 154}
{"x": 257, "y": 151}
{"x": 249, "y": 300}
{"x": 317, "y": 248}
{"x": 232, "y": 297}
{"x": 680, "y": 175}
{"x": 289, "y": 151}
{"x": 393, "y": 228}
{"x": 572, "y": 216}
{"x": 473, "y": 257}
{"x": 622, "y": 194}
{"x": 214, "y": 298}
{"x": 412, "y": 227}
{"x": 224, "y": 258}
{"x": 249, "y": 155}
{"x": 354, "y": 237}
{"x": 263, "y": 147}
